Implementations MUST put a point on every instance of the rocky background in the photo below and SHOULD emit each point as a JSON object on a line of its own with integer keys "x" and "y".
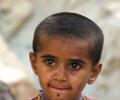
{"x": 18, "y": 21}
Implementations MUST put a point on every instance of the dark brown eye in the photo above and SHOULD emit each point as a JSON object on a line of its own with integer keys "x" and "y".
{"x": 75, "y": 65}
{"x": 49, "y": 61}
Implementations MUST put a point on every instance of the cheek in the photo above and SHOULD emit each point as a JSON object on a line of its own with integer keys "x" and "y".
{"x": 43, "y": 76}
{"x": 79, "y": 82}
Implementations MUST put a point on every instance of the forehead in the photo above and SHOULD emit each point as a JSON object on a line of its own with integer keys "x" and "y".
{"x": 59, "y": 43}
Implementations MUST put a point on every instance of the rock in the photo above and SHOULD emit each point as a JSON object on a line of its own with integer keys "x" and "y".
{"x": 5, "y": 93}
{"x": 13, "y": 13}
{"x": 13, "y": 74}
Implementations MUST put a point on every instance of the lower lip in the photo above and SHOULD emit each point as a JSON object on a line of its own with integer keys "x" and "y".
{"x": 60, "y": 89}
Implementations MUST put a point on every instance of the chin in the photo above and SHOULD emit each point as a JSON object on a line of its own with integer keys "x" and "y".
{"x": 58, "y": 96}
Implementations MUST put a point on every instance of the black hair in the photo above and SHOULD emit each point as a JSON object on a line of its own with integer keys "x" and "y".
{"x": 69, "y": 25}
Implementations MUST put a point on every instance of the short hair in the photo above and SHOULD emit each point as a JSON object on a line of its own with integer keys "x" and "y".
{"x": 69, "y": 25}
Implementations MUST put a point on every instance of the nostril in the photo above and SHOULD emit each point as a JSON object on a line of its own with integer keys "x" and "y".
{"x": 55, "y": 79}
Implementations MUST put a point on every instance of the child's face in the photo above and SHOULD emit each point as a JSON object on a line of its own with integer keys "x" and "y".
{"x": 63, "y": 67}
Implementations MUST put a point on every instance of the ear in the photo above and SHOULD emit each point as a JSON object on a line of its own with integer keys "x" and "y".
{"x": 94, "y": 73}
{"x": 33, "y": 60}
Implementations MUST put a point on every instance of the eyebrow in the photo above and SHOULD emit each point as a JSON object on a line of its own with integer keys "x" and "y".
{"x": 78, "y": 60}
{"x": 47, "y": 56}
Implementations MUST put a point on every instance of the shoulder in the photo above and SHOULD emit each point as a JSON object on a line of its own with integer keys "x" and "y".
{"x": 38, "y": 97}
{"x": 88, "y": 98}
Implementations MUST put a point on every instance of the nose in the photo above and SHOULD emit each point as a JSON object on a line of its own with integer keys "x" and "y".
{"x": 60, "y": 74}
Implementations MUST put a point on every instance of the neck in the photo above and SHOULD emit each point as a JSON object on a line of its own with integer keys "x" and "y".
{"x": 44, "y": 98}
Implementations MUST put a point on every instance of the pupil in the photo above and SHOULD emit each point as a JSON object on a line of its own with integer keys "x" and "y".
{"x": 74, "y": 65}
{"x": 50, "y": 61}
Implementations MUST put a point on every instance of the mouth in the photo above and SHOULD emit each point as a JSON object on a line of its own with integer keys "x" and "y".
{"x": 59, "y": 88}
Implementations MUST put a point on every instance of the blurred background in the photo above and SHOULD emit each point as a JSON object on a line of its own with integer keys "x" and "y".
{"x": 18, "y": 19}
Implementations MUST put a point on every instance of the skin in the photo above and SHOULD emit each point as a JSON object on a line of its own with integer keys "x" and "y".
{"x": 63, "y": 67}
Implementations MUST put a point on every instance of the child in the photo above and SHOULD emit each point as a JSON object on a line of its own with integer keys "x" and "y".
{"x": 66, "y": 52}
